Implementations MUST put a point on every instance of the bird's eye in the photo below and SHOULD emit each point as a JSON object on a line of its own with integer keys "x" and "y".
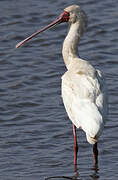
{"x": 66, "y": 16}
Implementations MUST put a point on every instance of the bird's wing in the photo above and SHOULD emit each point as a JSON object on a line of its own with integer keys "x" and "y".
{"x": 83, "y": 96}
{"x": 102, "y": 98}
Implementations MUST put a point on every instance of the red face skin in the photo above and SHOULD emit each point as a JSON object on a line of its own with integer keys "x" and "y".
{"x": 64, "y": 17}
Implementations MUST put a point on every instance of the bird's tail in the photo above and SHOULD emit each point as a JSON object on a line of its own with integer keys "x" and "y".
{"x": 91, "y": 140}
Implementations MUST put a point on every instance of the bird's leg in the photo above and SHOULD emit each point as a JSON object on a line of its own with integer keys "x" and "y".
{"x": 95, "y": 153}
{"x": 75, "y": 146}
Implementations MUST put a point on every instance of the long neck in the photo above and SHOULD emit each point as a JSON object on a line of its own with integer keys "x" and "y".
{"x": 70, "y": 45}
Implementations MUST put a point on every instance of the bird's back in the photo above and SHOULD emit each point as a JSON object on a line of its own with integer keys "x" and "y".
{"x": 83, "y": 93}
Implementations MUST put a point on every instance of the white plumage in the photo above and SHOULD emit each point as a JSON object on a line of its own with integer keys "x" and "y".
{"x": 83, "y": 87}
{"x": 84, "y": 99}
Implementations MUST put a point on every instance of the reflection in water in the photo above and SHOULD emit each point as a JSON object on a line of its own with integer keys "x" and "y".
{"x": 77, "y": 176}
{"x": 95, "y": 174}
{"x": 63, "y": 177}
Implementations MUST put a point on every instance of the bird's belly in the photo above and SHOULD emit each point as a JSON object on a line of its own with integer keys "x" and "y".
{"x": 67, "y": 96}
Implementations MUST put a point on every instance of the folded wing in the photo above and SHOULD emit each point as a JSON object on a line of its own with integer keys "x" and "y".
{"x": 84, "y": 100}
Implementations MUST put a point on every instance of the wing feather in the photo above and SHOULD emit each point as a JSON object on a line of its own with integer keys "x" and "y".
{"x": 84, "y": 100}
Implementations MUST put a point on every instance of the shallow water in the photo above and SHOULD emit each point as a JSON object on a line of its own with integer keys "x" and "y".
{"x": 36, "y": 139}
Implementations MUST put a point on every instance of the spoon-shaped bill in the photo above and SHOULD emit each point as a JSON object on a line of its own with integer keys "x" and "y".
{"x": 64, "y": 17}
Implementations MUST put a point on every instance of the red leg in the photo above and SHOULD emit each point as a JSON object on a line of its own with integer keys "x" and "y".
{"x": 75, "y": 146}
{"x": 95, "y": 153}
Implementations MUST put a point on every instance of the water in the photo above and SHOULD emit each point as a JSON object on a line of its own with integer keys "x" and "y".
{"x": 36, "y": 139}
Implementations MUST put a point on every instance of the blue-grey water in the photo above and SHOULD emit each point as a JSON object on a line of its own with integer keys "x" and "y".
{"x": 36, "y": 139}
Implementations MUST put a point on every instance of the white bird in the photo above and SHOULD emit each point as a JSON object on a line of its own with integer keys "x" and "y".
{"x": 83, "y": 87}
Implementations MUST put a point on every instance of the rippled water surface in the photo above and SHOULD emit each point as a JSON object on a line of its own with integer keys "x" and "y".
{"x": 36, "y": 139}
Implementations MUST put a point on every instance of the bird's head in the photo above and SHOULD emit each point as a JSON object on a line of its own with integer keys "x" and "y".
{"x": 72, "y": 14}
{"x": 76, "y": 14}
